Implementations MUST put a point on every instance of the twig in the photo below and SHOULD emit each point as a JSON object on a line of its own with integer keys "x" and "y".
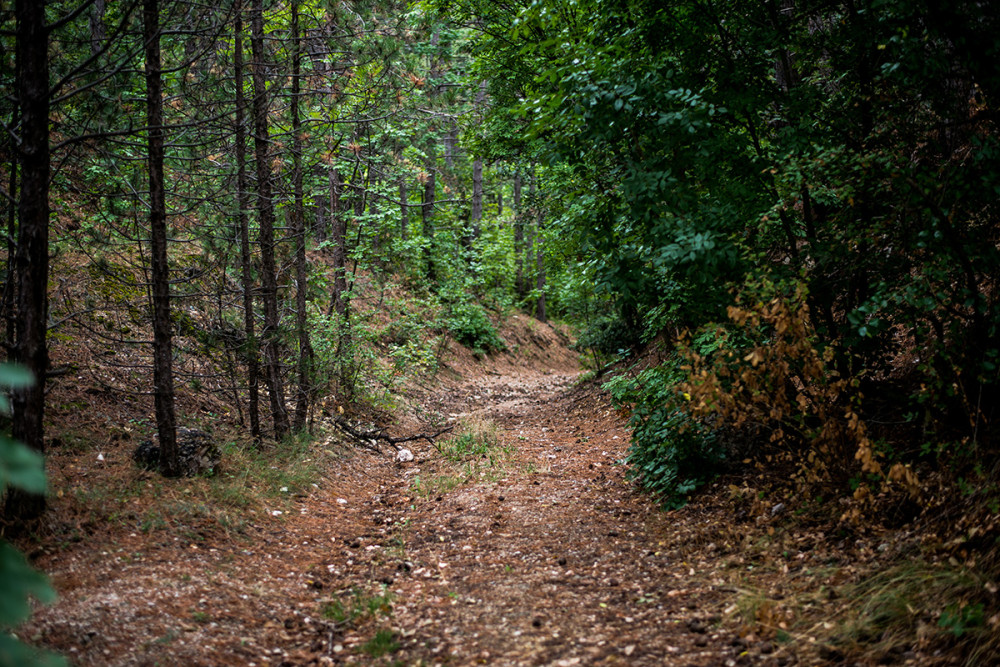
{"x": 370, "y": 439}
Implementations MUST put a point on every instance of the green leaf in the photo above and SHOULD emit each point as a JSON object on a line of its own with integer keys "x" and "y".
{"x": 17, "y": 581}
{"x": 15, "y": 376}
{"x": 13, "y": 652}
{"x": 21, "y": 467}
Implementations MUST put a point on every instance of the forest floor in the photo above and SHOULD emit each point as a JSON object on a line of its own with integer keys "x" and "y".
{"x": 531, "y": 550}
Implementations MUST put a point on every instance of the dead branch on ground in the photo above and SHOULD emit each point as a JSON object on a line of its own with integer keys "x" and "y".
{"x": 370, "y": 439}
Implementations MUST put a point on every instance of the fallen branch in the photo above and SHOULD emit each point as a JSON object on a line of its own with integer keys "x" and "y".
{"x": 370, "y": 439}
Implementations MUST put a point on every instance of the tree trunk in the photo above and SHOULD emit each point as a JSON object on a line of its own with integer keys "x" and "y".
{"x": 518, "y": 238}
{"x": 8, "y": 309}
{"x": 252, "y": 353}
{"x": 265, "y": 208}
{"x": 477, "y": 172}
{"x": 320, "y": 226}
{"x": 404, "y": 211}
{"x": 373, "y": 212}
{"x": 97, "y": 32}
{"x": 539, "y": 270}
{"x": 450, "y": 141}
{"x": 427, "y": 214}
{"x": 163, "y": 375}
{"x": 31, "y": 263}
{"x": 299, "y": 234}
{"x": 477, "y": 197}
{"x": 338, "y": 299}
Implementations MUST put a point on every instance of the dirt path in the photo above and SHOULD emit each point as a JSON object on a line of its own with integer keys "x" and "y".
{"x": 558, "y": 561}
{"x": 544, "y": 555}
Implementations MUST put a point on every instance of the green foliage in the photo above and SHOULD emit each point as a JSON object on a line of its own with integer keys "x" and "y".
{"x": 357, "y": 606}
{"x": 606, "y": 336}
{"x": 20, "y": 468}
{"x": 696, "y": 149}
{"x": 958, "y": 619}
{"x": 383, "y": 643}
{"x": 672, "y": 451}
{"x": 479, "y": 439}
{"x": 471, "y": 327}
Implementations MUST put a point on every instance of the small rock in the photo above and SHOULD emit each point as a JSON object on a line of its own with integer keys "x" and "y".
{"x": 777, "y": 509}
{"x": 404, "y": 455}
{"x": 696, "y": 625}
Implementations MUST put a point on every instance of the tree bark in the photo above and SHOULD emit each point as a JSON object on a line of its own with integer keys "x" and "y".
{"x": 518, "y": 238}
{"x": 31, "y": 263}
{"x": 477, "y": 197}
{"x": 404, "y": 212}
{"x": 163, "y": 376}
{"x": 338, "y": 299}
{"x": 265, "y": 208}
{"x": 477, "y": 172}
{"x": 427, "y": 215}
{"x": 299, "y": 234}
{"x": 252, "y": 352}
{"x": 98, "y": 34}
{"x": 539, "y": 269}
{"x": 8, "y": 308}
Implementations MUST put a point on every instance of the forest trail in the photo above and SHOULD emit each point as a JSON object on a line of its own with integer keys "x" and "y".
{"x": 537, "y": 553}
{"x": 559, "y": 561}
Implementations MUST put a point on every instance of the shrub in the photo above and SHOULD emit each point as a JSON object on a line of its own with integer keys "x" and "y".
{"x": 471, "y": 327}
{"x": 606, "y": 336}
{"x": 672, "y": 452}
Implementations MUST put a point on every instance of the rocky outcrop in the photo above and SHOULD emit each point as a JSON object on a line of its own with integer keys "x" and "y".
{"x": 198, "y": 454}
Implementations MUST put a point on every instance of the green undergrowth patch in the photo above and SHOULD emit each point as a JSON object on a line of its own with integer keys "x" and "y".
{"x": 355, "y": 606}
{"x": 915, "y": 604}
{"x": 382, "y": 644}
{"x": 252, "y": 475}
{"x": 474, "y": 454}
{"x": 872, "y": 612}
{"x": 478, "y": 439}
{"x": 471, "y": 327}
{"x": 251, "y": 481}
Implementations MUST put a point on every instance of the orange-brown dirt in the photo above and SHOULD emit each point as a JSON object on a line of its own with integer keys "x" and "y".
{"x": 543, "y": 554}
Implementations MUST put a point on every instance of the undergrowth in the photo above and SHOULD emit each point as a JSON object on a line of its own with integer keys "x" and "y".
{"x": 935, "y": 604}
{"x": 474, "y": 454}
{"x": 251, "y": 480}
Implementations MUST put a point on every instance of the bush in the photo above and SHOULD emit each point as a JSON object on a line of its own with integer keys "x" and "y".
{"x": 471, "y": 327}
{"x": 606, "y": 336}
{"x": 672, "y": 452}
